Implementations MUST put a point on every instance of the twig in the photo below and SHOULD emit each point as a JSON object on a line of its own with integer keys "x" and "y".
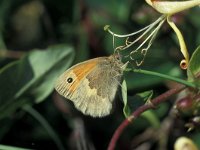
{"x": 154, "y": 102}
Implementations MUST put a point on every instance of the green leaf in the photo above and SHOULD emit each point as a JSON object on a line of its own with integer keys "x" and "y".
{"x": 6, "y": 147}
{"x": 195, "y": 138}
{"x": 136, "y": 101}
{"x": 149, "y": 115}
{"x": 152, "y": 118}
{"x": 131, "y": 103}
{"x": 32, "y": 76}
{"x": 139, "y": 99}
{"x": 126, "y": 109}
{"x": 193, "y": 71}
{"x": 146, "y": 96}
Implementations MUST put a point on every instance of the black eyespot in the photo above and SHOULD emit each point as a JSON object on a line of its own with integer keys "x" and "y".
{"x": 69, "y": 80}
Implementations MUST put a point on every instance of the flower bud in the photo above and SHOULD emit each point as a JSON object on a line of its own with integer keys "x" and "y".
{"x": 186, "y": 106}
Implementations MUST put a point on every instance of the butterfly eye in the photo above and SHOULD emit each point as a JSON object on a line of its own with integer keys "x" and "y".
{"x": 69, "y": 80}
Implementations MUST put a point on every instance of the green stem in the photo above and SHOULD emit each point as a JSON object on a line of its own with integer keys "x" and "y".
{"x": 46, "y": 125}
{"x": 184, "y": 82}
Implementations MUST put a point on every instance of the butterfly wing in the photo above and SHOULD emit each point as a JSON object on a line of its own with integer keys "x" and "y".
{"x": 94, "y": 85}
{"x": 76, "y": 73}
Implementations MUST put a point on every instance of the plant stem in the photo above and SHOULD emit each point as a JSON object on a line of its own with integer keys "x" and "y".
{"x": 184, "y": 82}
{"x": 154, "y": 102}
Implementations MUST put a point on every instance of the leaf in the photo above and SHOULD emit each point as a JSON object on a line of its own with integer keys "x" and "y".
{"x": 6, "y": 147}
{"x": 126, "y": 109}
{"x": 195, "y": 138}
{"x": 131, "y": 103}
{"x": 146, "y": 96}
{"x": 149, "y": 114}
{"x": 193, "y": 71}
{"x": 32, "y": 76}
{"x": 152, "y": 118}
{"x": 136, "y": 101}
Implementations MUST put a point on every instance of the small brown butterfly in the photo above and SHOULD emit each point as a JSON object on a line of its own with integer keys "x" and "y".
{"x": 92, "y": 85}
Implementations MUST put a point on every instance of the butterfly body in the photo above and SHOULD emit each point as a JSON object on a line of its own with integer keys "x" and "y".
{"x": 92, "y": 85}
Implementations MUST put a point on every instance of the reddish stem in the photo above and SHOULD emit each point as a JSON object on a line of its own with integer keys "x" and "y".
{"x": 154, "y": 102}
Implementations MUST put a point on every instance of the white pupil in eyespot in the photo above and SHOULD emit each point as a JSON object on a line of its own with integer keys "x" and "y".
{"x": 69, "y": 80}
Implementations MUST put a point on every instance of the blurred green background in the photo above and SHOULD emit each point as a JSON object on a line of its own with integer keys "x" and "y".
{"x": 39, "y": 39}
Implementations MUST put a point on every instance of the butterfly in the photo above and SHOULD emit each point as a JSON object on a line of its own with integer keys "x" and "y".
{"x": 92, "y": 85}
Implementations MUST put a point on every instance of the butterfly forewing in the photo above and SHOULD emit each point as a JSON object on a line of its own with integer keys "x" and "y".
{"x": 94, "y": 85}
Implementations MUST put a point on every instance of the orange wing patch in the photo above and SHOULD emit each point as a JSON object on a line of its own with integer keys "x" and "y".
{"x": 81, "y": 71}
